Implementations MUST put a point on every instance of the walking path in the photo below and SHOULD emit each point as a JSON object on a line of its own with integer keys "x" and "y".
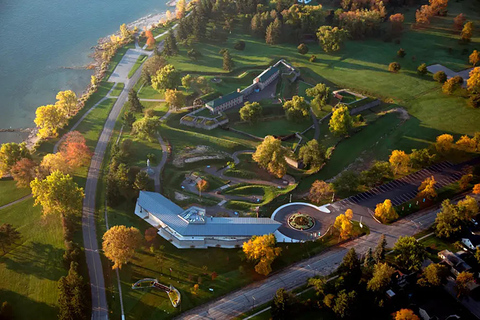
{"x": 238, "y": 302}
{"x": 15, "y": 202}
{"x": 94, "y": 263}
{"x": 158, "y": 169}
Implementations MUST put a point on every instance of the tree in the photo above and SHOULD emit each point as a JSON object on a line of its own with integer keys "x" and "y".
{"x": 146, "y": 128}
{"x": 23, "y": 172}
{"x": 170, "y": 48}
{"x": 474, "y": 58}
{"x": 187, "y": 81}
{"x": 141, "y": 181}
{"x": 150, "y": 39}
{"x": 283, "y": 305}
{"x": 465, "y": 181}
{"x": 165, "y": 78}
{"x": 427, "y": 188}
{"x": 382, "y": 273}
{"x": 377, "y": 173}
{"x": 447, "y": 222}
{"x": 380, "y": 249}
{"x": 467, "y": 208}
{"x": 135, "y": 104}
{"x": 175, "y": 98}
{"x": 409, "y": 253}
{"x": 124, "y": 31}
{"x": 6, "y": 311}
{"x": 54, "y": 162}
{"x": 463, "y": 282}
{"x": 397, "y": 23}
{"x": 347, "y": 182}
{"x": 72, "y": 295}
{"x": 341, "y": 121}
{"x": 262, "y": 250}
{"x": 466, "y": 144}
{"x": 394, "y": 67}
{"x": 331, "y": 39}
{"x": 449, "y": 86}
{"x": 251, "y": 112}
{"x": 118, "y": 183}
{"x": 368, "y": 260}
{"x": 444, "y": 143}
{"x": 473, "y": 82}
{"x": 319, "y": 191}
{"x": 406, "y": 314}
{"x": 58, "y": 194}
{"x": 151, "y": 66}
{"x": 434, "y": 274}
{"x": 467, "y": 32}
{"x": 296, "y": 109}
{"x": 422, "y": 69}
{"x": 350, "y": 268}
{"x": 271, "y": 156}
{"x": 180, "y": 9}
{"x": 401, "y": 53}
{"x": 228, "y": 63}
{"x": 476, "y": 189}
{"x": 202, "y": 185}
{"x": 67, "y": 102}
{"x": 312, "y": 153}
{"x": 302, "y": 48}
{"x": 345, "y": 304}
{"x": 440, "y": 76}
{"x": 273, "y": 34}
{"x": 49, "y": 119}
{"x": 399, "y": 161}
{"x": 239, "y": 45}
{"x": 343, "y": 225}
{"x": 385, "y": 212}
{"x": 10, "y": 154}
{"x": 129, "y": 118}
{"x": 74, "y": 150}
{"x": 421, "y": 158}
{"x": 320, "y": 94}
{"x": 474, "y": 100}
{"x": 119, "y": 244}
{"x": 459, "y": 21}
{"x": 8, "y": 236}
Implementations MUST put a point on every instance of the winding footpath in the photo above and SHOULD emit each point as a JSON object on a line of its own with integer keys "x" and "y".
{"x": 94, "y": 262}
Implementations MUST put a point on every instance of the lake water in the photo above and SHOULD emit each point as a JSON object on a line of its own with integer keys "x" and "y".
{"x": 39, "y": 39}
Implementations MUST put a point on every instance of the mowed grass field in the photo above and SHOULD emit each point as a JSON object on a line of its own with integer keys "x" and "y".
{"x": 30, "y": 270}
{"x": 9, "y": 191}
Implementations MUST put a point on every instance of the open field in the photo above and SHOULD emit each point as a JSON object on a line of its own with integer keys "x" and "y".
{"x": 147, "y": 92}
{"x": 9, "y": 191}
{"x": 117, "y": 89}
{"x": 278, "y": 127}
{"x": 31, "y": 269}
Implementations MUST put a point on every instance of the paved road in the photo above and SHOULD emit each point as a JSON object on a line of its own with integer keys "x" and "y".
{"x": 242, "y": 300}
{"x": 94, "y": 263}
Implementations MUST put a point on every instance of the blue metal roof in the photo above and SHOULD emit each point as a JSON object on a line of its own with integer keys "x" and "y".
{"x": 171, "y": 215}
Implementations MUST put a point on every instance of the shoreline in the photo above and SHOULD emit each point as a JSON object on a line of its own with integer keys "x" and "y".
{"x": 146, "y": 22}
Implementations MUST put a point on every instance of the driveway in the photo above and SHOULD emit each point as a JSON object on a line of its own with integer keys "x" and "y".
{"x": 465, "y": 74}
{"x": 120, "y": 74}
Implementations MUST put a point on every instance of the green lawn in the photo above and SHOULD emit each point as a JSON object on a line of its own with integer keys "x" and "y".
{"x": 117, "y": 89}
{"x": 160, "y": 108}
{"x": 30, "y": 271}
{"x": 141, "y": 59}
{"x": 147, "y": 92}
{"x": 277, "y": 127}
{"x": 301, "y": 88}
{"x": 9, "y": 191}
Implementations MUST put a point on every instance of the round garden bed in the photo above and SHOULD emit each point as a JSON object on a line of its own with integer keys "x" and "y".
{"x": 301, "y": 221}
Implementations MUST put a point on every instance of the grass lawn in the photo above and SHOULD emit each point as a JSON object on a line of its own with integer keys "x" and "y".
{"x": 230, "y": 84}
{"x": 9, "y": 191}
{"x": 92, "y": 125}
{"x": 160, "y": 108}
{"x": 277, "y": 127}
{"x": 117, "y": 89}
{"x": 301, "y": 88}
{"x": 147, "y": 92}
{"x": 269, "y": 194}
{"x": 31, "y": 269}
{"x": 435, "y": 245}
{"x": 141, "y": 59}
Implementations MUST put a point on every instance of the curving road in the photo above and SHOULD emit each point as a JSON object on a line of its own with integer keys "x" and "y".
{"x": 94, "y": 262}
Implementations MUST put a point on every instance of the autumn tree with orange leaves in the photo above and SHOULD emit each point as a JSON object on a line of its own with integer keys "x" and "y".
{"x": 458, "y": 22}
{"x": 24, "y": 172}
{"x": 397, "y": 23}
{"x": 74, "y": 149}
{"x": 343, "y": 224}
{"x": 150, "y": 38}
{"x": 427, "y": 188}
{"x": 406, "y": 314}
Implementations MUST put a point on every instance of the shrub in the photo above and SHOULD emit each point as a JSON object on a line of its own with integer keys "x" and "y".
{"x": 440, "y": 76}
{"x": 302, "y": 48}
{"x": 313, "y": 58}
{"x": 194, "y": 54}
{"x": 474, "y": 100}
{"x": 422, "y": 69}
{"x": 239, "y": 45}
{"x": 149, "y": 113}
{"x": 401, "y": 53}
{"x": 457, "y": 80}
{"x": 394, "y": 67}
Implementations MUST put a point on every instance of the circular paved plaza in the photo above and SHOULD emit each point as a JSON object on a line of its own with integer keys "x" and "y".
{"x": 322, "y": 220}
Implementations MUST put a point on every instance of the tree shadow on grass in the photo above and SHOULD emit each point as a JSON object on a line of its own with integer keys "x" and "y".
{"x": 26, "y": 308}
{"x": 37, "y": 259}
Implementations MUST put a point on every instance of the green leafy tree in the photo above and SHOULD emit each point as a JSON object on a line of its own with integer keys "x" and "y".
{"x": 296, "y": 109}
{"x": 320, "y": 94}
{"x": 72, "y": 295}
{"x": 251, "y": 112}
{"x": 377, "y": 173}
{"x": 345, "y": 304}
{"x": 312, "y": 153}
{"x": 151, "y": 66}
{"x": 433, "y": 275}
{"x": 187, "y": 81}
{"x": 10, "y": 154}
{"x": 347, "y": 182}
{"x": 128, "y": 119}
{"x": 369, "y": 260}
{"x": 320, "y": 191}
{"x": 146, "y": 128}
{"x": 175, "y": 99}
{"x": 409, "y": 253}
{"x": 463, "y": 283}
{"x": 331, "y": 39}
{"x": 302, "y": 48}
{"x": 166, "y": 78}
{"x": 141, "y": 181}
{"x": 380, "y": 249}
{"x": 341, "y": 121}
{"x": 447, "y": 222}
{"x": 284, "y": 305}
{"x": 422, "y": 69}
{"x": 170, "y": 48}
{"x": 350, "y": 268}
{"x": 440, "y": 76}
{"x": 135, "y": 104}
{"x": 8, "y": 236}
{"x": 421, "y": 158}
{"x": 271, "y": 156}
{"x": 382, "y": 274}
{"x": 273, "y": 34}
{"x": 228, "y": 63}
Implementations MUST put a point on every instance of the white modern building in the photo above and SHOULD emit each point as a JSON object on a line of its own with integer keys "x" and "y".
{"x": 191, "y": 228}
